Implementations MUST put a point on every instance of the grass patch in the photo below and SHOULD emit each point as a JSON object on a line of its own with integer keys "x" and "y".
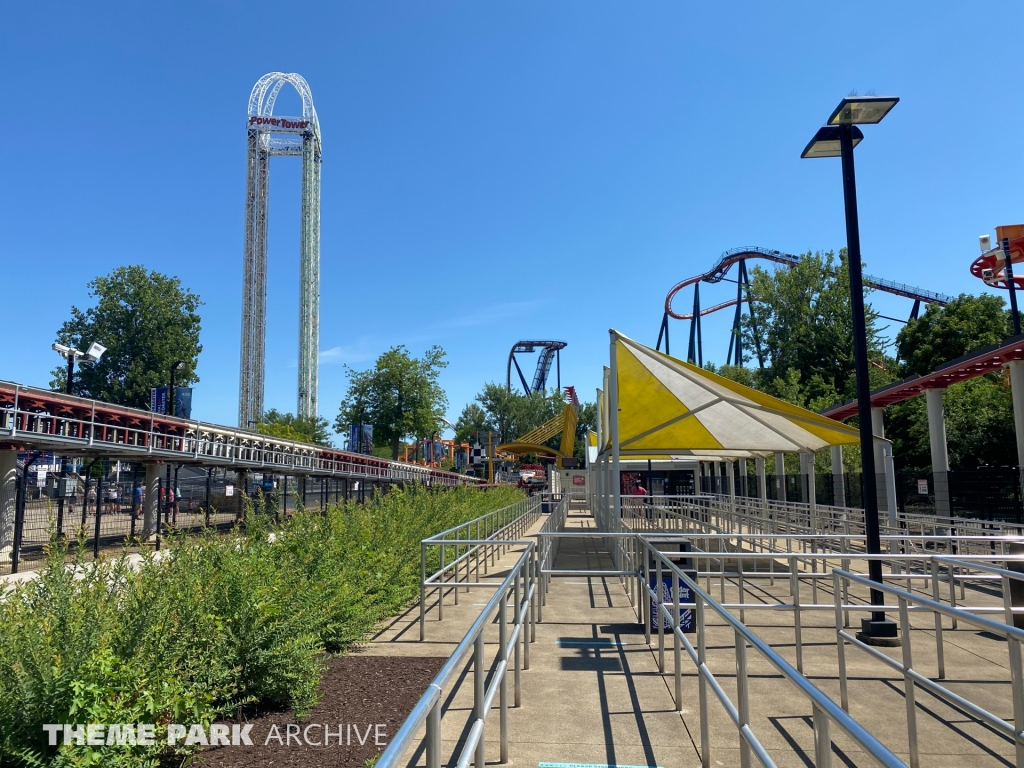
{"x": 215, "y": 623}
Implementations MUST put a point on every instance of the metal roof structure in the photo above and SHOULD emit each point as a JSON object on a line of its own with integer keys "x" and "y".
{"x": 972, "y": 365}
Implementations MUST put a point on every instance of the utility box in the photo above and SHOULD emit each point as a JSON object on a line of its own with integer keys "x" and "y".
{"x": 61, "y": 487}
{"x": 672, "y": 545}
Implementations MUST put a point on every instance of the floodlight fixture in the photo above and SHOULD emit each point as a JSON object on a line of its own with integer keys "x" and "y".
{"x": 862, "y": 110}
{"x": 95, "y": 352}
{"x": 826, "y": 142}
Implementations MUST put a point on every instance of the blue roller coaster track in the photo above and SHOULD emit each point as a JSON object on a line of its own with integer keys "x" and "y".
{"x": 738, "y": 257}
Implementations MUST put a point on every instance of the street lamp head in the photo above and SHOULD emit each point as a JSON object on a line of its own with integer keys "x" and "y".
{"x": 177, "y": 365}
{"x": 826, "y": 142}
{"x": 95, "y": 352}
{"x": 862, "y": 110}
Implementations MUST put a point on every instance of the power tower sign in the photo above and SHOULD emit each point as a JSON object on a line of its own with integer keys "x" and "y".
{"x": 301, "y": 138}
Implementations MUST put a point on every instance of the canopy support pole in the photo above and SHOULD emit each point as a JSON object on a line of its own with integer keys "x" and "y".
{"x": 613, "y": 417}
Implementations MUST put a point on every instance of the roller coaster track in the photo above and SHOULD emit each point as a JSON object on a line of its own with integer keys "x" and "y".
{"x": 549, "y": 353}
{"x": 729, "y": 258}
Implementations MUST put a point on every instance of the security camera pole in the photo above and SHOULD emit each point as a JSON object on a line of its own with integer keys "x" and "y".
{"x": 92, "y": 355}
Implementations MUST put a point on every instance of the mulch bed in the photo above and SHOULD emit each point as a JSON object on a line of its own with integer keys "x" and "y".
{"x": 358, "y": 694}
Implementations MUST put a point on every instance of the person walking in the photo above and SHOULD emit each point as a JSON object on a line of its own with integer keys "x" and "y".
{"x": 138, "y": 498}
{"x": 642, "y": 505}
{"x": 109, "y": 496}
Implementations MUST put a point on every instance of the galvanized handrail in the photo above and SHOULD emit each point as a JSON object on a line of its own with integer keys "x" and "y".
{"x": 521, "y": 582}
{"x": 482, "y": 539}
{"x": 524, "y": 582}
{"x": 824, "y": 710}
{"x": 912, "y": 677}
{"x": 630, "y": 548}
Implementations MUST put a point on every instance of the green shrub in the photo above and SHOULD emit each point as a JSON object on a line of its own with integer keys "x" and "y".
{"x": 209, "y": 624}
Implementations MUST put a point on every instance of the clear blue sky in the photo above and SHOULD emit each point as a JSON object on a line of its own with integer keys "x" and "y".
{"x": 492, "y": 171}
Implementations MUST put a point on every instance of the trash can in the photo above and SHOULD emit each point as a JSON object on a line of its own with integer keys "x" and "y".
{"x": 552, "y": 501}
{"x": 671, "y": 544}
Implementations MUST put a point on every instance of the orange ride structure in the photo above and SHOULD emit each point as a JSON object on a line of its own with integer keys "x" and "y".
{"x": 991, "y": 266}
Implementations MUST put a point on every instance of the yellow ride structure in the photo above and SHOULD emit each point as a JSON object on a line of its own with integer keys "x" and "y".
{"x": 533, "y": 442}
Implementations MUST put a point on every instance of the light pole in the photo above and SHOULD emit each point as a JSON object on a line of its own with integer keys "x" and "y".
{"x": 837, "y": 139}
{"x": 91, "y": 355}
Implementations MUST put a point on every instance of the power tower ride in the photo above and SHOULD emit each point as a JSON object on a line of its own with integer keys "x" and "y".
{"x": 270, "y": 135}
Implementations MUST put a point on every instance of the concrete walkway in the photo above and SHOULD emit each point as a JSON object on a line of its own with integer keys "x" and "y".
{"x": 593, "y": 694}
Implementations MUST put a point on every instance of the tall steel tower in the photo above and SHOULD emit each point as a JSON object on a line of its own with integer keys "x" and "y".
{"x": 270, "y": 135}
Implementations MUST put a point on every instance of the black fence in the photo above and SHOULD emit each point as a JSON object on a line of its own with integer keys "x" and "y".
{"x": 105, "y": 512}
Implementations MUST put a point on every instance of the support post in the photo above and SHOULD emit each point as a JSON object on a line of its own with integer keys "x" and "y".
{"x": 242, "y": 480}
{"x": 838, "y": 486}
{"x": 613, "y": 417}
{"x": 762, "y": 480}
{"x": 8, "y": 504}
{"x": 1016, "y": 368}
{"x": 806, "y": 468}
{"x": 937, "y": 443}
{"x": 151, "y": 503}
{"x": 880, "y": 478}
{"x": 780, "y": 476}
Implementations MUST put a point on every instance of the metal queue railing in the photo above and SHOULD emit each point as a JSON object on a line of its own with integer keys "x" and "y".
{"x": 523, "y": 584}
{"x": 520, "y": 583}
{"x": 913, "y": 679}
{"x": 631, "y": 556}
{"x": 697, "y": 517}
{"x": 756, "y": 515}
{"x": 471, "y": 548}
{"x": 928, "y": 568}
{"x": 824, "y": 712}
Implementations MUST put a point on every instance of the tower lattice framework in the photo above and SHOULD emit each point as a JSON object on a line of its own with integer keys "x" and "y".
{"x": 270, "y": 135}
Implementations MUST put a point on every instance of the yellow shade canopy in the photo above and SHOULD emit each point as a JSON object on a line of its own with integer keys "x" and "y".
{"x": 670, "y": 408}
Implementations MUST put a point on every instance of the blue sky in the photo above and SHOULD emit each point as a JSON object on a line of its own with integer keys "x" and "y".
{"x": 492, "y": 171}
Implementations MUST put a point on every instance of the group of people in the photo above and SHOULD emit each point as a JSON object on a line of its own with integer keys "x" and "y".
{"x": 112, "y": 502}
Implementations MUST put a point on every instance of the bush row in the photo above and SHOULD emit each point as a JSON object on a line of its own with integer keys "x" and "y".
{"x": 214, "y": 623}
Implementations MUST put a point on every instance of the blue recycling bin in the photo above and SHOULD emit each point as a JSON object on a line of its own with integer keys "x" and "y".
{"x": 671, "y": 545}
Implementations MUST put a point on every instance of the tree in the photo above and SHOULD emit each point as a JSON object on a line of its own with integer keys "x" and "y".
{"x": 586, "y": 421}
{"x": 305, "y": 429}
{"x": 400, "y": 396}
{"x": 512, "y": 414}
{"x": 472, "y": 419}
{"x": 147, "y": 321}
{"x": 800, "y": 321}
{"x": 979, "y": 412}
{"x": 945, "y": 333}
{"x": 500, "y": 406}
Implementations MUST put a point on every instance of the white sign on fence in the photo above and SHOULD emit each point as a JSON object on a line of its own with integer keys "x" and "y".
{"x": 922, "y": 487}
{"x": 229, "y": 490}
